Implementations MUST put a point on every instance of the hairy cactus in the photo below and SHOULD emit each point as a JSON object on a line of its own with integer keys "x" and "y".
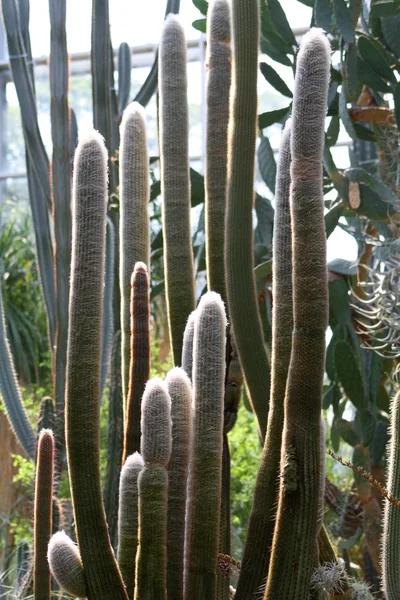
{"x": 102, "y": 576}
{"x": 128, "y": 519}
{"x": 241, "y": 292}
{"x": 140, "y": 356}
{"x": 293, "y": 548}
{"x": 218, "y": 87}
{"x": 204, "y": 487}
{"x": 175, "y": 183}
{"x": 43, "y": 514}
{"x": 256, "y": 556}
{"x": 391, "y": 522}
{"x": 134, "y": 218}
{"x": 66, "y": 565}
{"x": 151, "y": 562}
{"x": 187, "y": 350}
{"x": 180, "y": 391}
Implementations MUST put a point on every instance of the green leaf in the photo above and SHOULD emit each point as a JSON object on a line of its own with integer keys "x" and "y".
{"x": 265, "y": 221}
{"x": 343, "y": 19}
{"x": 200, "y": 25}
{"x": 384, "y": 8}
{"x": 331, "y": 397}
{"x": 371, "y": 55}
{"x": 309, "y": 3}
{"x": 339, "y": 301}
{"x": 348, "y": 544}
{"x": 390, "y": 27}
{"x": 332, "y": 219}
{"x": 275, "y": 80}
{"x": 196, "y": 188}
{"x": 339, "y": 333}
{"x": 335, "y": 436}
{"x": 342, "y": 266}
{"x": 323, "y": 15}
{"x": 266, "y": 163}
{"x": 273, "y": 116}
{"x": 281, "y": 23}
{"x": 397, "y": 104}
{"x": 365, "y": 424}
{"x": 379, "y": 442}
{"x": 348, "y": 373}
{"x": 201, "y": 5}
{"x": 271, "y": 51}
{"x": 368, "y": 77}
{"x": 332, "y": 133}
{"x": 347, "y": 432}
{"x": 340, "y": 182}
{"x": 344, "y": 115}
{"x": 270, "y": 32}
{"x": 362, "y": 176}
{"x": 353, "y": 85}
{"x": 363, "y": 133}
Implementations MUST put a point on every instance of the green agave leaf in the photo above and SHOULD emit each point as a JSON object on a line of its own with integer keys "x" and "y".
{"x": 339, "y": 301}
{"x": 371, "y": 55}
{"x": 347, "y": 432}
{"x": 275, "y": 80}
{"x": 332, "y": 133}
{"x": 271, "y": 51}
{"x": 339, "y": 333}
{"x": 124, "y": 76}
{"x": 281, "y": 23}
{"x": 332, "y": 219}
{"x": 368, "y": 77}
{"x": 323, "y": 15}
{"x": 384, "y": 8}
{"x": 362, "y": 176}
{"x": 390, "y": 28}
{"x": 273, "y": 116}
{"x": 348, "y": 373}
{"x": 344, "y": 115}
{"x": 266, "y": 162}
{"x": 344, "y": 20}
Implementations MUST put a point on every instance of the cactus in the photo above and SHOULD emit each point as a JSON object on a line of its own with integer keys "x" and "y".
{"x": 134, "y": 218}
{"x": 43, "y": 514}
{"x": 391, "y": 521}
{"x": 140, "y": 357}
{"x": 14, "y": 407}
{"x": 66, "y": 565}
{"x": 242, "y": 300}
{"x": 218, "y": 87}
{"x": 114, "y": 441}
{"x": 46, "y": 414}
{"x": 83, "y": 369}
{"x": 180, "y": 391}
{"x": 128, "y": 520}
{"x": 174, "y": 157}
{"x": 293, "y": 547}
{"x": 204, "y": 487}
{"x": 256, "y": 557}
{"x": 124, "y": 76}
{"x": 187, "y": 349}
{"x": 151, "y": 563}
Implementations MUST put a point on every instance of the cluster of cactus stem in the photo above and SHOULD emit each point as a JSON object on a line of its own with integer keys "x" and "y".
{"x": 173, "y": 507}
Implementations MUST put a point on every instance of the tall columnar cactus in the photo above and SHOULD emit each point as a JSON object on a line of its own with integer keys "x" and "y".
{"x": 218, "y": 87}
{"x": 66, "y": 565}
{"x": 256, "y": 556}
{"x": 187, "y": 349}
{"x": 140, "y": 356}
{"x": 204, "y": 488}
{"x": 102, "y": 576}
{"x": 391, "y": 522}
{"x": 128, "y": 518}
{"x": 180, "y": 391}
{"x": 242, "y": 299}
{"x": 134, "y": 218}
{"x": 175, "y": 183}
{"x": 43, "y": 514}
{"x": 156, "y": 442}
{"x": 293, "y": 549}
{"x": 11, "y": 393}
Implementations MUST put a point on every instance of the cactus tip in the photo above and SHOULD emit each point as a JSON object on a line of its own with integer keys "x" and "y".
{"x": 316, "y": 37}
{"x": 133, "y": 461}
